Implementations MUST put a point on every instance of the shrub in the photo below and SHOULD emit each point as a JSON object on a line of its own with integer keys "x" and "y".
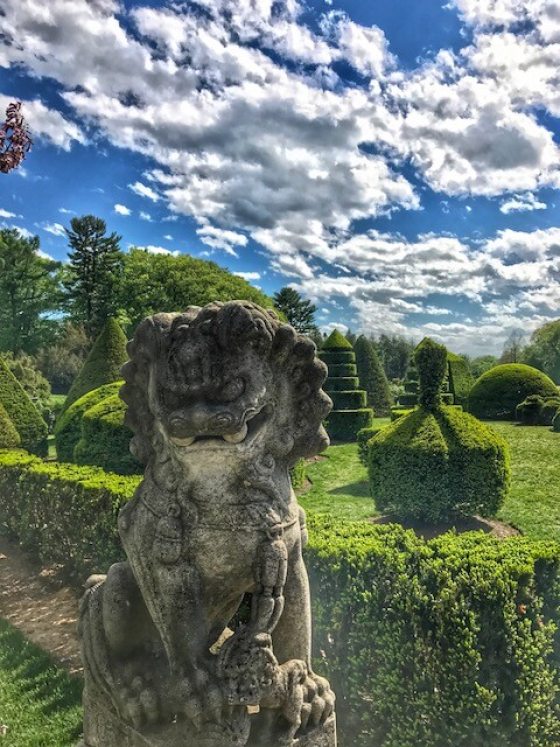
{"x": 399, "y": 412}
{"x": 22, "y": 412}
{"x": 534, "y": 410}
{"x": 68, "y": 429}
{"x": 497, "y": 393}
{"x": 372, "y": 376}
{"x": 9, "y": 437}
{"x": 350, "y": 413}
{"x": 437, "y": 462}
{"x": 336, "y": 341}
{"x": 460, "y": 378}
{"x": 363, "y": 438}
{"x": 105, "y": 439}
{"x": 450, "y": 643}
{"x": 556, "y": 422}
{"x": 31, "y": 379}
{"x": 103, "y": 364}
{"x": 298, "y": 474}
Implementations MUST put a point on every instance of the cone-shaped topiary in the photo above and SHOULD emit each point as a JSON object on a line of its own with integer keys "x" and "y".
{"x": 68, "y": 429}
{"x": 9, "y": 437}
{"x": 437, "y": 462}
{"x": 103, "y": 364}
{"x": 460, "y": 378}
{"x": 497, "y": 392}
{"x": 349, "y": 414}
{"x": 23, "y": 413}
{"x": 372, "y": 376}
{"x": 105, "y": 439}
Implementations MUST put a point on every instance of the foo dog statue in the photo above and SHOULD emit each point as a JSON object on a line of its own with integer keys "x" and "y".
{"x": 202, "y": 637}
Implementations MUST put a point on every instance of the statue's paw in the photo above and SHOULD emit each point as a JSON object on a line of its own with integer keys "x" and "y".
{"x": 139, "y": 703}
{"x": 319, "y": 701}
{"x": 201, "y": 699}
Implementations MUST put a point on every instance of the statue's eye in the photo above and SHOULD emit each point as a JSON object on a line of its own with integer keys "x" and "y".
{"x": 233, "y": 389}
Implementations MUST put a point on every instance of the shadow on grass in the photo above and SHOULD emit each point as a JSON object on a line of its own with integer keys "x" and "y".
{"x": 358, "y": 489}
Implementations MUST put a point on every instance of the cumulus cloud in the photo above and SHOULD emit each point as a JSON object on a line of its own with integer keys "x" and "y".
{"x": 145, "y": 216}
{"x": 8, "y": 214}
{"x": 219, "y": 238}
{"x": 248, "y": 275}
{"x": 153, "y": 249}
{"x": 121, "y": 209}
{"x": 144, "y": 191}
{"x": 522, "y": 203}
{"x": 48, "y": 124}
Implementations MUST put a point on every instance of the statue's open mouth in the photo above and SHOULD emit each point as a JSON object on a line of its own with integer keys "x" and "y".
{"x": 253, "y": 424}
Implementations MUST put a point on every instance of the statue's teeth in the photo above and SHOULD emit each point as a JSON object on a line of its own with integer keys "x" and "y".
{"x": 184, "y": 441}
{"x": 236, "y": 438}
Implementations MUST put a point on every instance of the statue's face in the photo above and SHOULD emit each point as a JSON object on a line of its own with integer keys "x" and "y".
{"x": 206, "y": 399}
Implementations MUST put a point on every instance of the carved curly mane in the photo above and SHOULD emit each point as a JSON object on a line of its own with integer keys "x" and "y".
{"x": 229, "y": 329}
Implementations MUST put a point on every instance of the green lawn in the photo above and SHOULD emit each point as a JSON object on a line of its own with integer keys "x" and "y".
{"x": 339, "y": 482}
{"x": 39, "y": 704}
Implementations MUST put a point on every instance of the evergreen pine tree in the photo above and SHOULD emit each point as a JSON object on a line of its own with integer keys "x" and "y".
{"x": 372, "y": 376}
{"x": 299, "y": 313}
{"x": 95, "y": 262}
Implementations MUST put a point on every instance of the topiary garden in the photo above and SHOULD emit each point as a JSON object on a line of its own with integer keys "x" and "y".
{"x": 350, "y": 413}
{"x": 23, "y": 414}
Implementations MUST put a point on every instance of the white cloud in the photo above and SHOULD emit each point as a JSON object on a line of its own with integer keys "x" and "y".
{"x": 248, "y": 275}
{"x": 521, "y": 203}
{"x": 168, "y": 237}
{"x": 56, "y": 229}
{"x": 144, "y": 191}
{"x": 23, "y": 231}
{"x": 65, "y": 211}
{"x": 219, "y": 238}
{"x": 151, "y": 249}
{"x": 146, "y": 216}
{"x": 8, "y": 214}
{"x": 47, "y": 123}
{"x": 121, "y": 209}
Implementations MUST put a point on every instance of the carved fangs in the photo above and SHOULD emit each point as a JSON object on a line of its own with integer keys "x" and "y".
{"x": 184, "y": 441}
{"x": 237, "y": 438}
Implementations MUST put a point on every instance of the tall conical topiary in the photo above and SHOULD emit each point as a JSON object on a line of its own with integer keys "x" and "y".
{"x": 437, "y": 462}
{"x": 9, "y": 437}
{"x": 23, "y": 413}
{"x": 103, "y": 364}
{"x": 349, "y": 414}
{"x": 372, "y": 376}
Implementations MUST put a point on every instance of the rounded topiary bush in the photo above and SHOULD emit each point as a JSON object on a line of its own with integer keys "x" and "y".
{"x": 68, "y": 429}
{"x": 437, "y": 462}
{"x": 9, "y": 437}
{"x": 497, "y": 392}
{"x": 22, "y": 412}
{"x": 105, "y": 439}
{"x": 103, "y": 364}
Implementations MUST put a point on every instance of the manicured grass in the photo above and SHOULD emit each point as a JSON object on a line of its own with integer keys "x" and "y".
{"x": 533, "y": 504}
{"x": 39, "y": 704}
{"x": 340, "y": 488}
{"x": 339, "y": 483}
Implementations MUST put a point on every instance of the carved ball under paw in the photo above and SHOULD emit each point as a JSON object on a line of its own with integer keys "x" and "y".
{"x": 139, "y": 703}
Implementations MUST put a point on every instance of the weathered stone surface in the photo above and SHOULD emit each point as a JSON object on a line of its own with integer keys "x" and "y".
{"x": 202, "y": 637}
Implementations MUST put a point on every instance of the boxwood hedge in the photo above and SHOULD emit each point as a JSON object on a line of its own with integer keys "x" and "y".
{"x": 68, "y": 429}
{"x": 22, "y": 412}
{"x": 105, "y": 439}
{"x": 497, "y": 392}
{"x": 9, "y": 437}
{"x": 450, "y": 643}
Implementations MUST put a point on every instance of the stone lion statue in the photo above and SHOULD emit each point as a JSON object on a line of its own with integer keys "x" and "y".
{"x": 202, "y": 637}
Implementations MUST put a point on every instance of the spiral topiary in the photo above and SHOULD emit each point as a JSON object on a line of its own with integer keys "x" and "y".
{"x": 437, "y": 462}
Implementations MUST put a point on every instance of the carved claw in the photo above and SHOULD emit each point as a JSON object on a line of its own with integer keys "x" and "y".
{"x": 319, "y": 701}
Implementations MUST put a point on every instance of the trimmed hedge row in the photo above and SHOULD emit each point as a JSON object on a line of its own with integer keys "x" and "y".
{"x": 451, "y": 643}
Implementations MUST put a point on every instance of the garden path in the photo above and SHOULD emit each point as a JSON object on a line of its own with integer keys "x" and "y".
{"x": 45, "y": 613}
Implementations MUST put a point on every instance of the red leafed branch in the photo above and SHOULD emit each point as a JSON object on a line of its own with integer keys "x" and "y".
{"x": 15, "y": 141}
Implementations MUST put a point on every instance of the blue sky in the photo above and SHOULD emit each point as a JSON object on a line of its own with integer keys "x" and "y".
{"x": 398, "y": 163}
